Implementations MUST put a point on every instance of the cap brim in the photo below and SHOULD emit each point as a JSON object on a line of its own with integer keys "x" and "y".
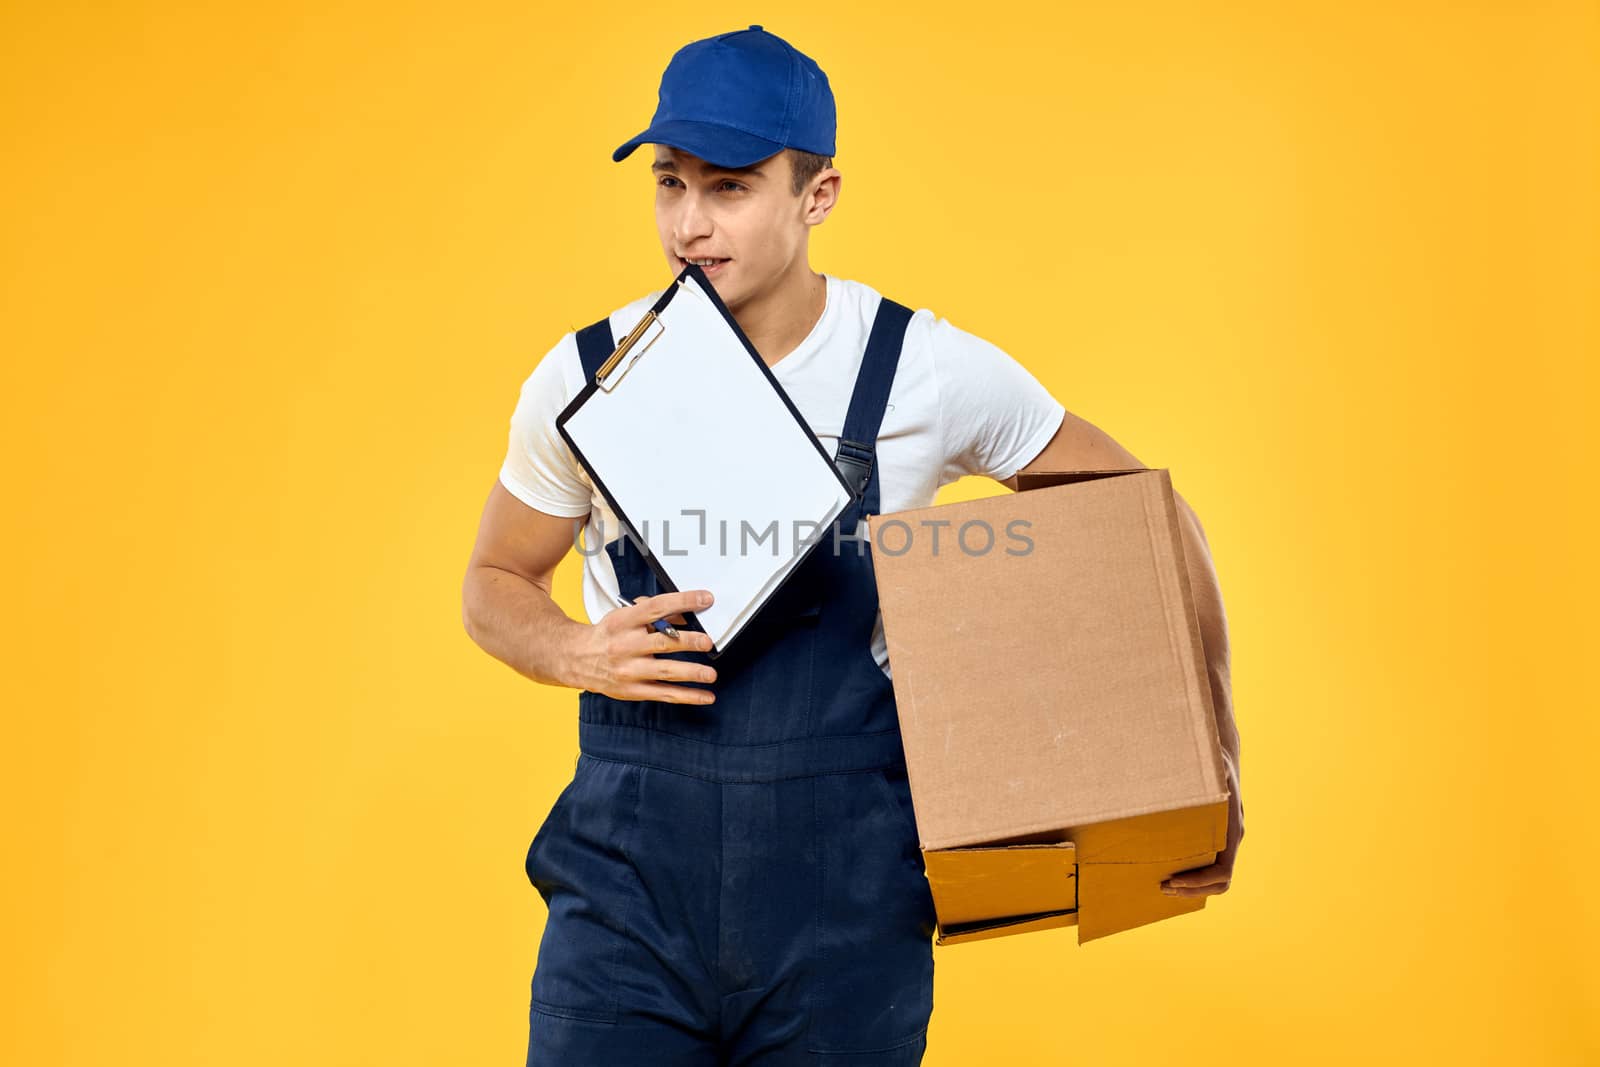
{"x": 721, "y": 146}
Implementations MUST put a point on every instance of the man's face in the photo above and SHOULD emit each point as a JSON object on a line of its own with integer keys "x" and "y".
{"x": 749, "y": 220}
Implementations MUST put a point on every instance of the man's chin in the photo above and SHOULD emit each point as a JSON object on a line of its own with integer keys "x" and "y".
{"x": 725, "y": 292}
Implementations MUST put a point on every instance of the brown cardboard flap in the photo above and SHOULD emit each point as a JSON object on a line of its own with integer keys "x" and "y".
{"x": 1045, "y": 479}
{"x": 1154, "y": 837}
{"x": 1021, "y": 925}
{"x": 980, "y": 885}
{"x": 1120, "y": 896}
{"x": 1122, "y": 864}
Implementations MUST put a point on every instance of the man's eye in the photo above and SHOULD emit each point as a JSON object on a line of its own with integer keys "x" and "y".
{"x": 663, "y": 180}
{"x": 735, "y": 184}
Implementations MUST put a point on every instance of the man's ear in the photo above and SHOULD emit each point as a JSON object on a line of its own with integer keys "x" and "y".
{"x": 823, "y": 197}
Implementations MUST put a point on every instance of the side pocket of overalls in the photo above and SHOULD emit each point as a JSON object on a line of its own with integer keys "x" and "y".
{"x": 874, "y": 966}
{"x": 897, "y": 789}
{"x": 895, "y": 783}
{"x": 556, "y": 813}
{"x": 583, "y": 867}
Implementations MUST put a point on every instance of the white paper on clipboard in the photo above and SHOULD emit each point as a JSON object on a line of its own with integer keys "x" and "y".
{"x": 701, "y": 452}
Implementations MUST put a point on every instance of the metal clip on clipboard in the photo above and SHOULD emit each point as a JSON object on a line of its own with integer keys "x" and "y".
{"x": 649, "y": 325}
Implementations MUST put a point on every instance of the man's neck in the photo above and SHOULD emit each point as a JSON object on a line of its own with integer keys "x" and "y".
{"x": 777, "y": 321}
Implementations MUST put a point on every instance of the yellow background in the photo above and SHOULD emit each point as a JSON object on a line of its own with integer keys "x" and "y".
{"x": 272, "y": 278}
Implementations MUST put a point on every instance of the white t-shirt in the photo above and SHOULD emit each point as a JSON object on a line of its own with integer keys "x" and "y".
{"x": 958, "y": 406}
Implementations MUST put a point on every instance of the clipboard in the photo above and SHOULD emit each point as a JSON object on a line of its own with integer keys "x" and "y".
{"x": 702, "y": 456}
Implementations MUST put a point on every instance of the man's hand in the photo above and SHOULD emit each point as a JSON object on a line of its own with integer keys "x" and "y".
{"x": 1205, "y": 881}
{"x": 618, "y": 655}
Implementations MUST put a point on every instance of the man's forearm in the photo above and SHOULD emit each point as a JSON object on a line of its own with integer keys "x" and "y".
{"x": 519, "y": 624}
{"x": 1214, "y": 633}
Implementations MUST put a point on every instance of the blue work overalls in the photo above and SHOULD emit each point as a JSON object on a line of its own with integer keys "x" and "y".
{"x": 740, "y": 882}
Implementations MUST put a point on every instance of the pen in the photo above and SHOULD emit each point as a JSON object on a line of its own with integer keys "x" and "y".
{"x": 660, "y": 624}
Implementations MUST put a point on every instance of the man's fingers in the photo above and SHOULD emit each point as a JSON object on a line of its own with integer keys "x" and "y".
{"x": 687, "y": 641}
{"x": 660, "y": 669}
{"x": 1200, "y": 876}
{"x": 647, "y": 609}
{"x": 645, "y": 641}
{"x": 1198, "y": 882}
{"x": 674, "y": 694}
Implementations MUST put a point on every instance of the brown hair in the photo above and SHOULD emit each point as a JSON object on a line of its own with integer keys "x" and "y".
{"x": 804, "y": 166}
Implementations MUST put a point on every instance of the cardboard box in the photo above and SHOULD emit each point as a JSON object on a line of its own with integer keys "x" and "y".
{"x": 1054, "y": 702}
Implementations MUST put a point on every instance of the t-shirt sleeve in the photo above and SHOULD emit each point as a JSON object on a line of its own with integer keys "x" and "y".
{"x": 539, "y": 469}
{"x": 995, "y": 417}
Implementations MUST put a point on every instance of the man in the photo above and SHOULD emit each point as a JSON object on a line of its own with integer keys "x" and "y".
{"x": 733, "y": 874}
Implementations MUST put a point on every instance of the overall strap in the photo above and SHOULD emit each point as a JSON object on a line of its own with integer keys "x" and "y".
{"x": 595, "y": 346}
{"x": 858, "y": 439}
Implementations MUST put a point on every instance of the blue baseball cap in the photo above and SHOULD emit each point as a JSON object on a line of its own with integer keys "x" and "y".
{"x": 737, "y": 98}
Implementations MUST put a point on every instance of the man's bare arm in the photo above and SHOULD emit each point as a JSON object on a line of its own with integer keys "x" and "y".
{"x": 508, "y": 610}
{"x": 1079, "y": 445}
{"x": 506, "y": 600}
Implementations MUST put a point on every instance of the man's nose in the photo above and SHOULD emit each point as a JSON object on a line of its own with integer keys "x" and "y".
{"x": 693, "y": 222}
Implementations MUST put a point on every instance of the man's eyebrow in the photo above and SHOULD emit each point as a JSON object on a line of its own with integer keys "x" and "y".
{"x": 664, "y": 164}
